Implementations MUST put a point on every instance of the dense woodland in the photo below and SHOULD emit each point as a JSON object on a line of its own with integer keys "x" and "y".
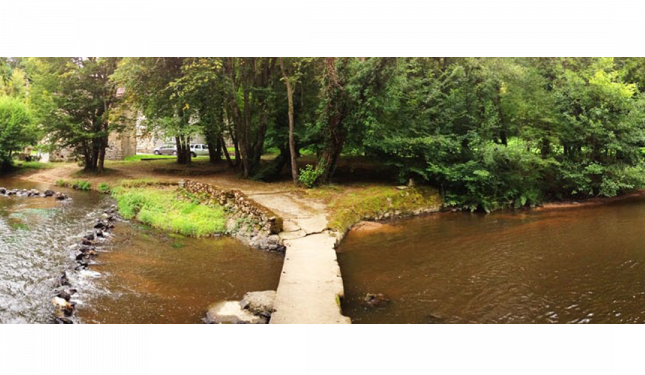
{"x": 487, "y": 132}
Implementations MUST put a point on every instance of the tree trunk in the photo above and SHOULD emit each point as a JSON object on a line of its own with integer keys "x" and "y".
{"x": 187, "y": 153}
{"x": 292, "y": 143}
{"x": 226, "y": 154}
{"x": 335, "y": 112}
{"x": 101, "y": 161}
{"x": 218, "y": 151}
{"x": 178, "y": 151}
{"x": 329, "y": 159}
{"x": 237, "y": 153}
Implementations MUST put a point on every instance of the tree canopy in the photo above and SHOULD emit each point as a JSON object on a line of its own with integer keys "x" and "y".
{"x": 488, "y": 132}
{"x": 16, "y": 128}
{"x": 74, "y": 99}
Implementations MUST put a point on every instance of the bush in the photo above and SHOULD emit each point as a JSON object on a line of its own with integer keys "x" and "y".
{"x": 309, "y": 176}
{"x": 496, "y": 177}
{"x": 16, "y": 129}
{"x": 81, "y": 185}
{"x": 104, "y": 188}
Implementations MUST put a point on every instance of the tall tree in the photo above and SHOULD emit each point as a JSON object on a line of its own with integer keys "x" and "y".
{"x": 151, "y": 85}
{"x": 74, "y": 98}
{"x": 351, "y": 94}
{"x": 201, "y": 87}
{"x": 292, "y": 142}
{"x": 16, "y": 129}
{"x": 249, "y": 89}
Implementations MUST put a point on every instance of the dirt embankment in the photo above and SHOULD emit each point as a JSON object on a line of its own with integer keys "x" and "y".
{"x": 591, "y": 202}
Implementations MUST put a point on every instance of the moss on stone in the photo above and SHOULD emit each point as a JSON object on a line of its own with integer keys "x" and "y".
{"x": 380, "y": 202}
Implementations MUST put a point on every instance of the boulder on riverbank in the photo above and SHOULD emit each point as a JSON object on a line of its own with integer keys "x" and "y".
{"x": 230, "y": 312}
{"x": 372, "y": 226}
{"x": 63, "y": 308}
{"x": 254, "y": 308}
{"x": 259, "y": 303}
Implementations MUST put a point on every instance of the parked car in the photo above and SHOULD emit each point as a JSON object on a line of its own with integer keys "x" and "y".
{"x": 199, "y": 150}
{"x": 166, "y": 150}
{"x": 195, "y": 150}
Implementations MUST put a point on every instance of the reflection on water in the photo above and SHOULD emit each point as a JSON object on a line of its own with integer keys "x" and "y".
{"x": 141, "y": 275}
{"x": 157, "y": 278}
{"x": 566, "y": 266}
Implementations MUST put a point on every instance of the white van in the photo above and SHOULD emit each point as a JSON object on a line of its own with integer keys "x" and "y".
{"x": 199, "y": 150}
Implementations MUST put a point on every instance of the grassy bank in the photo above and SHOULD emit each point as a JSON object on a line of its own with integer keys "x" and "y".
{"x": 374, "y": 203}
{"x": 24, "y": 167}
{"x": 162, "y": 209}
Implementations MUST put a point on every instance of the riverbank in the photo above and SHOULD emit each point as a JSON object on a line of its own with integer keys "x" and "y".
{"x": 591, "y": 202}
{"x": 340, "y": 206}
{"x": 313, "y": 222}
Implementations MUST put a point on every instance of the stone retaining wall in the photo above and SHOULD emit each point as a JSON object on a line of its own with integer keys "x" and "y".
{"x": 248, "y": 220}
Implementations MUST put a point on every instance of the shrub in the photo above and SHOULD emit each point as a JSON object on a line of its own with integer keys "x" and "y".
{"x": 310, "y": 175}
{"x": 104, "y": 188}
{"x": 81, "y": 185}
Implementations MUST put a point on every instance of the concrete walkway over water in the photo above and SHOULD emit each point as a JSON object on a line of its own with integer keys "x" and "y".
{"x": 310, "y": 285}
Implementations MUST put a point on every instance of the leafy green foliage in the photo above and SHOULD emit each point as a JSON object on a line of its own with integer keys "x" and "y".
{"x": 309, "y": 176}
{"x": 81, "y": 185}
{"x": 104, "y": 188}
{"x": 488, "y": 133}
{"x": 75, "y": 101}
{"x": 16, "y": 128}
{"x": 495, "y": 133}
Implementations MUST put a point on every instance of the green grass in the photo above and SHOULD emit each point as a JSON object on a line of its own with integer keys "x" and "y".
{"x": 151, "y": 156}
{"x": 136, "y": 158}
{"x": 140, "y": 182}
{"x": 20, "y": 167}
{"x": 161, "y": 208}
{"x": 104, "y": 188}
{"x": 34, "y": 165}
{"x": 78, "y": 184}
{"x": 348, "y": 209}
{"x": 81, "y": 185}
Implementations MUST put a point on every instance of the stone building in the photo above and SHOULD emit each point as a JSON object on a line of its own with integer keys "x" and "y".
{"x": 121, "y": 145}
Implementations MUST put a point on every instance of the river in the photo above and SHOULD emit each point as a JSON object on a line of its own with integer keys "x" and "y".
{"x": 583, "y": 265}
{"x": 141, "y": 275}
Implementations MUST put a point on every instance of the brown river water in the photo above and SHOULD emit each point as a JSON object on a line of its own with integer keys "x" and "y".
{"x": 584, "y": 265}
{"x": 140, "y": 276}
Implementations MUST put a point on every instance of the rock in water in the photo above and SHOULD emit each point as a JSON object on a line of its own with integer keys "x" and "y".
{"x": 230, "y": 312}
{"x": 63, "y": 321}
{"x": 63, "y": 308}
{"x": 375, "y": 300}
{"x": 259, "y": 303}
